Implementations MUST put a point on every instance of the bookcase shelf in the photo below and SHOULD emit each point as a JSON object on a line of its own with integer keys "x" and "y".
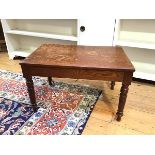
{"x": 23, "y": 36}
{"x": 43, "y": 35}
{"x": 137, "y": 37}
{"x": 136, "y": 44}
{"x": 135, "y": 32}
{"x": 24, "y": 45}
{"x": 144, "y": 71}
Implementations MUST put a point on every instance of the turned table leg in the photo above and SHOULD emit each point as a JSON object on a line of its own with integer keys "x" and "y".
{"x": 51, "y": 82}
{"x": 127, "y": 79}
{"x": 30, "y": 88}
{"x": 122, "y": 100}
{"x": 112, "y": 85}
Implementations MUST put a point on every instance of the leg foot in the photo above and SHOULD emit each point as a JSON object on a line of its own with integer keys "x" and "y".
{"x": 119, "y": 116}
{"x": 51, "y": 82}
{"x": 112, "y": 85}
{"x": 30, "y": 88}
{"x": 122, "y": 100}
{"x": 34, "y": 109}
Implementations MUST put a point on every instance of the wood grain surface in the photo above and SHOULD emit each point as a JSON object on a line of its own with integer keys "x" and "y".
{"x": 80, "y": 57}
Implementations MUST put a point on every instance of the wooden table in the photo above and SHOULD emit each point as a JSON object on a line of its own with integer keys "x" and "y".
{"x": 79, "y": 62}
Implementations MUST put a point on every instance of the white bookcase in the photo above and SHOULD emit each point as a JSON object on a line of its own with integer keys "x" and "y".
{"x": 137, "y": 37}
{"x": 23, "y": 36}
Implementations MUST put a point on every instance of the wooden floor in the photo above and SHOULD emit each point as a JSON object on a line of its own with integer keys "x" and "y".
{"x": 139, "y": 114}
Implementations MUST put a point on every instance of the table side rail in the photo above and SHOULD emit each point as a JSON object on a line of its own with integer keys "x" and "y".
{"x": 78, "y": 73}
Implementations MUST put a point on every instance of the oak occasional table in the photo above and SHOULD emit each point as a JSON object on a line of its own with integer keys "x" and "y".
{"x": 79, "y": 62}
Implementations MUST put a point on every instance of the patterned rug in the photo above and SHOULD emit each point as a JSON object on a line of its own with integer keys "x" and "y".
{"x": 63, "y": 109}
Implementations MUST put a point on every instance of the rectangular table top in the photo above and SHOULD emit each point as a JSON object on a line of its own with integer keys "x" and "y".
{"x": 70, "y": 56}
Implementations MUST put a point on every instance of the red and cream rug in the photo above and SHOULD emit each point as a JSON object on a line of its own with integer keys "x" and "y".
{"x": 63, "y": 108}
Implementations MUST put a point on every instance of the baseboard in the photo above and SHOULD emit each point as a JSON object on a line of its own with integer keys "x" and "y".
{"x": 143, "y": 80}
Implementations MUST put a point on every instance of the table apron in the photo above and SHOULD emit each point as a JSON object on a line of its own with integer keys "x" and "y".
{"x": 75, "y": 73}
